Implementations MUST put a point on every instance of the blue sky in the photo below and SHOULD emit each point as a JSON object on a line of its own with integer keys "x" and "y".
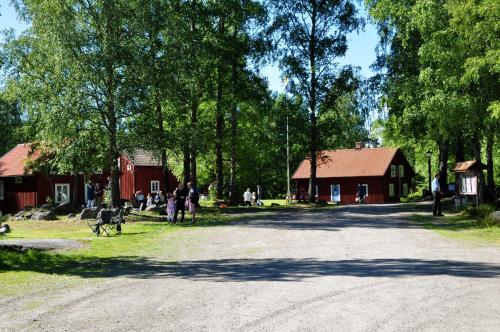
{"x": 361, "y": 51}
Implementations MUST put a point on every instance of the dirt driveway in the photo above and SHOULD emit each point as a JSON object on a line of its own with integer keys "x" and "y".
{"x": 358, "y": 268}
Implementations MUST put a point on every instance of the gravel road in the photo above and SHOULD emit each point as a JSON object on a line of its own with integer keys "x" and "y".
{"x": 355, "y": 268}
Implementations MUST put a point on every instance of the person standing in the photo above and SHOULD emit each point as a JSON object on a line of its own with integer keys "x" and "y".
{"x": 192, "y": 200}
{"x": 90, "y": 195}
{"x": 170, "y": 207}
{"x": 247, "y": 197}
{"x": 436, "y": 191}
{"x": 180, "y": 202}
{"x": 99, "y": 193}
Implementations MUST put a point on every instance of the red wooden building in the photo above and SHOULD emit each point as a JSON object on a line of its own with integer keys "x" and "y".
{"x": 20, "y": 188}
{"x": 142, "y": 171}
{"x": 384, "y": 172}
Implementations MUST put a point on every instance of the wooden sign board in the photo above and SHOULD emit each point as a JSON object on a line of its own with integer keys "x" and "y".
{"x": 468, "y": 184}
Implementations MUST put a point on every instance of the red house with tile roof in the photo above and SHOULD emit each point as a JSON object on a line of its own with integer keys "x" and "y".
{"x": 20, "y": 187}
{"x": 384, "y": 172}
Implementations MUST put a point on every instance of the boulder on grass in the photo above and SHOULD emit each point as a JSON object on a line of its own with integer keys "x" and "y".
{"x": 43, "y": 215}
{"x": 496, "y": 217}
{"x": 63, "y": 208}
{"x": 87, "y": 214}
{"x": 154, "y": 208}
{"x": 47, "y": 207}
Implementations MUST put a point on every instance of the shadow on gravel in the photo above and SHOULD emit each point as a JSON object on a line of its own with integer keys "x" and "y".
{"x": 248, "y": 269}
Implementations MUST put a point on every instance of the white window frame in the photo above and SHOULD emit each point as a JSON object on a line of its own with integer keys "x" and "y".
{"x": 317, "y": 192}
{"x": 67, "y": 185}
{"x": 392, "y": 192}
{"x": 405, "y": 189}
{"x": 154, "y": 183}
{"x": 393, "y": 171}
{"x": 2, "y": 190}
{"x": 366, "y": 185}
{"x": 401, "y": 171}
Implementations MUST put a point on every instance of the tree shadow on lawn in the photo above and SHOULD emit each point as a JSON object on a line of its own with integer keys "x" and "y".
{"x": 240, "y": 270}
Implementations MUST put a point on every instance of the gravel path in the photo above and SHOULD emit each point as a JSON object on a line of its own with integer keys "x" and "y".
{"x": 356, "y": 268}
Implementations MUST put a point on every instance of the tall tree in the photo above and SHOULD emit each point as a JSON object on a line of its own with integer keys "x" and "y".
{"x": 310, "y": 36}
{"x": 89, "y": 50}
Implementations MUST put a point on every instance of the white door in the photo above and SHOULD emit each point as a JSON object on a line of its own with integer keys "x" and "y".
{"x": 335, "y": 193}
{"x": 62, "y": 193}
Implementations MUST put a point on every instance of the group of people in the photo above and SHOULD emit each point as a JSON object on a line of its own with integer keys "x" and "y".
{"x": 181, "y": 199}
{"x": 251, "y": 198}
{"x": 95, "y": 194}
{"x": 175, "y": 202}
{"x": 153, "y": 199}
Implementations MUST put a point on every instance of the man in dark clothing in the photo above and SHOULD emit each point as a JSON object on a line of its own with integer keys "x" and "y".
{"x": 436, "y": 191}
{"x": 90, "y": 195}
{"x": 180, "y": 202}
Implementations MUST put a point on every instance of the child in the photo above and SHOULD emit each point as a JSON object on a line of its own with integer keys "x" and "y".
{"x": 170, "y": 207}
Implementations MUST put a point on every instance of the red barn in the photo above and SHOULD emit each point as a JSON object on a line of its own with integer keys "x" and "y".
{"x": 384, "y": 172}
{"x": 19, "y": 188}
{"x": 142, "y": 171}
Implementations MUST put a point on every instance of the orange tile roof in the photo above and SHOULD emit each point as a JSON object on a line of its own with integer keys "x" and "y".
{"x": 348, "y": 163}
{"x": 12, "y": 163}
{"x": 465, "y": 166}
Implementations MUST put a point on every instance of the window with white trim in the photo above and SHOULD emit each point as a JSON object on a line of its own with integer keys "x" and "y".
{"x": 405, "y": 189}
{"x": 401, "y": 171}
{"x": 62, "y": 193}
{"x": 391, "y": 189}
{"x": 1, "y": 190}
{"x": 393, "y": 171}
{"x": 155, "y": 186}
{"x": 365, "y": 186}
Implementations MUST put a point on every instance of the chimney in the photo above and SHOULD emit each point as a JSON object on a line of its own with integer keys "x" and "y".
{"x": 360, "y": 145}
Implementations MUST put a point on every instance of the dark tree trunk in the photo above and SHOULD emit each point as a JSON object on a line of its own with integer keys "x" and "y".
{"x": 459, "y": 149}
{"x": 219, "y": 122}
{"x": 476, "y": 145}
{"x": 192, "y": 143}
{"x": 444, "y": 152}
{"x": 187, "y": 167}
{"x": 312, "y": 105}
{"x": 490, "y": 181}
{"x": 74, "y": 194}
{"x": 194, "y": 92}
{"x": 234, "y": 129}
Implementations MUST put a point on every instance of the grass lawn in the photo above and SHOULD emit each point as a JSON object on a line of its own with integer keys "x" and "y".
{"x": 141, "y": 238}
{"x": 464, "y": 226}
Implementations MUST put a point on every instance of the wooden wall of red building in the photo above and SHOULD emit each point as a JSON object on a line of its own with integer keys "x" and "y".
{"x": 18, "y": 195}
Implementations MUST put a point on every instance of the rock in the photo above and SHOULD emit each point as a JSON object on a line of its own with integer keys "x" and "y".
{"x": 87, "y": 214}
{"x": 4, "y": 229}
{"x": 64, "y": 208}
{"x": 496, "y": 216}
{"x": 46, "y": 207}
{"x": 154, "y": 208}
{"x": 25, "y": 209}
{"x": 71, "y": 215}
{"x": 43, "y": 215}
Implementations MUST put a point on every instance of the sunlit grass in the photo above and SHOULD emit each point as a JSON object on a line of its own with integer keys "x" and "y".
{"x": 462, "y": 226}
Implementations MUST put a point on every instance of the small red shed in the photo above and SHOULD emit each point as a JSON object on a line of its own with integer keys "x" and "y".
{"x": 384, "y": 172}
{"x": 142, "y": 170}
